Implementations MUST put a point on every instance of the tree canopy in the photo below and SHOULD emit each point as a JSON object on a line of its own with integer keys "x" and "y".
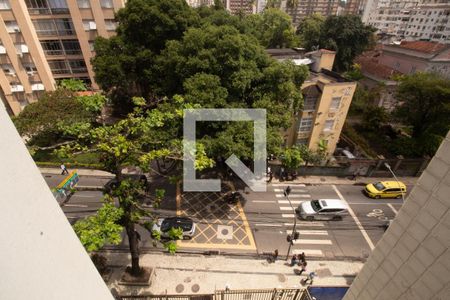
{"x": 346, "y": 34}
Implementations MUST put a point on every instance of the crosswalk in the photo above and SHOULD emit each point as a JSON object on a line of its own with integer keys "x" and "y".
{"x": 313, "y": 239}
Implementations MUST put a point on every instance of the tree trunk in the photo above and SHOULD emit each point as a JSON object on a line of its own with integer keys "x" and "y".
{"x": 134, "y": 249}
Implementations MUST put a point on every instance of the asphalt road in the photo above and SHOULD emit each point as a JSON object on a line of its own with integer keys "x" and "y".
{"x": 271, "y": 218}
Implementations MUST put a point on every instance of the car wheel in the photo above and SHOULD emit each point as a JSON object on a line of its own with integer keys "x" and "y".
{"x": 309, "y": 218}
{"x": 377, "y": 197}
{"x": 186, "y": 237}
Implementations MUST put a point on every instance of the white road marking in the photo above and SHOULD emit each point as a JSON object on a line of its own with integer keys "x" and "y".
{"x": 393, "y": 208}
{"x": 306, "y": 223}
{"x": 309, "y": 232}
{"x": 279, "y": 195}
{"x": 292, "y": 190}
{"x": 289, "y": 184}
{"x": 312, "y": 242}
{"x": 285, "y": 208}
{"x": 352, "y": 213}
{"x": 268, "y": 225}
{"x": 75, "y": 205}
{"x": 287, "y": 202}
{"x": 263, "y": 201}
{"x": 308, "y": 252}
{"x": 300, "y": 196}
{"x": 287, "y": 215}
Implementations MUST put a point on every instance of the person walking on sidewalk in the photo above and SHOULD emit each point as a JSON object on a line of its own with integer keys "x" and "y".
{"x": 275, "y": 255}
{"x": 301, "y": 258}
{"x": 64, "y": 169}
{"x": 293, "y": 260}
{"x": 310, "y": 277}
{"x": 303, "y": 267}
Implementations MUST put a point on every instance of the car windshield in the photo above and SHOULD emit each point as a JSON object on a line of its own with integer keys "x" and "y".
{"x": 316, "y": 205}
{"x": 379, "y": 186}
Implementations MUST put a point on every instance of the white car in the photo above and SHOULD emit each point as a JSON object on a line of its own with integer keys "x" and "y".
{"x": 323, "y": 209}
{"x": 164, "y": 225}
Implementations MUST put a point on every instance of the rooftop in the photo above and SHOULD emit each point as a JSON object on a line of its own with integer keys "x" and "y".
{"x": 423, "y": 46}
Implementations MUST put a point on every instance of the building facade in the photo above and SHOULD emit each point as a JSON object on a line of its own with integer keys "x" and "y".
{"x": 305, "y": 8}
{"x": 241, "y": 6}
{"x": 43, "y": 41}
{"x": 412, "y": 259}
{"x": 411, "y": 19}
{"x": 327, "y": 98}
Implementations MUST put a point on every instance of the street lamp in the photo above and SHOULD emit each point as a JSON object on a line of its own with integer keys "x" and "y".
{"x": 294, "y": 235}
{"x": 398, "y": 182}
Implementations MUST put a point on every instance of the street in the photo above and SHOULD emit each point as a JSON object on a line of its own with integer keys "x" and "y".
{"x": 261, "y": 221}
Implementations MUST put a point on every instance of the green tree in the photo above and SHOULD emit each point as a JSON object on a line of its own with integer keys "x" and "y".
{"x": 100, "y": 229}
{"x": 310, "y": 30}
{"x": 346, "y": 35}
{"x": 292, "y": 158}
{"x": 374, "y": 117}
{"x": 424, "y": 104}
{"x": 74, "y": 85}
{"x": 137, "y": 140}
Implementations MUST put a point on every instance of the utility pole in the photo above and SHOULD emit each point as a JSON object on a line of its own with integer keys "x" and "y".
{"x": 398, "y": 182}
{"x": 294, "y": 234}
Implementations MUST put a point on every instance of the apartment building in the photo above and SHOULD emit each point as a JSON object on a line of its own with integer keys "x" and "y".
{"x": 241, "y": 6}
{"x": 411, "y": 19}
{"x": 355, "y": 7}
{"x": 198, "y": 3}
{"x": 42, "y": 41}
{"x": 304, "y": 8}
{"x": 327, "y": 97}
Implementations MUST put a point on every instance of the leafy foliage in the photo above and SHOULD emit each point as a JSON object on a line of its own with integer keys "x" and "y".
{"x": 292, "y": 158}
{"x": 102, "y": 228}
{"x": 72, "y": 84}
{"x": 374, "y": 117}
{"x": 310, "y": 31}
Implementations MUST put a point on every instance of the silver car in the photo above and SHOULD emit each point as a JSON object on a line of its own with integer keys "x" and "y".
{"x": 163, "y": 226}
{"x": 322, "y": 209}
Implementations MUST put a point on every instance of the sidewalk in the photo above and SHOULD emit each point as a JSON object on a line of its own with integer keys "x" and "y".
{"x": 311, "y": 180}
{"x": 180, "y": 274}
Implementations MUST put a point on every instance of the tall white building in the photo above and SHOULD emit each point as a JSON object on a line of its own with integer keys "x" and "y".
{"x": 410, "y": 19}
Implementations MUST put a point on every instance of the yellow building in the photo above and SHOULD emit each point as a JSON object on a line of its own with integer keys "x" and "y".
{"x": 46, "y": 40}
{"x": 327, "y": 97}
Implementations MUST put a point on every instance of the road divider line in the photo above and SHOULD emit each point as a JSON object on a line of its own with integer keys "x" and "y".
{"x": 285, "y": 208}
{"x": 300, "y": 196}
{"x": 393, "y": 208}
{"x": 306, "y": 223}
{"x": 268, "y": 225}
{"x": 263, "y": 201}
{"x": 358, "y": 223}
{"x": 289, "y": 184}
{"x": 312, "y": 242}
{"x": 309, "y": 232}
{"x": 292, "y": 190}
{"x": 288, "y": 215}
{"x": 308, "y": 252}
{"x": 287, "y": 202}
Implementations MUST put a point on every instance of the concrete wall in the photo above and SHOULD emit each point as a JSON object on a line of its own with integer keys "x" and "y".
{"x": 41, "y": 257}
{"x": 412, "y": 260}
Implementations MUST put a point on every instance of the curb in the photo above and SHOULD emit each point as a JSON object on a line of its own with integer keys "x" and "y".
{"x": 89, "y": 188}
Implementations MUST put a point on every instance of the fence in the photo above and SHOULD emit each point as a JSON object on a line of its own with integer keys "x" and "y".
{"x": 264, "y": 294}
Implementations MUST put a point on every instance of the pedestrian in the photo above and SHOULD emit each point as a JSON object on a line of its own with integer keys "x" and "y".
{"x": 302, "y": 258}
{"x": 303, "y": 268}
{"x": 282, "y": 174}
{"x": 275, "y": 255}
{"x": 293, "y": 260}
{"x": 64, "y": 169}
{"x": 310, "y": 277}
{"x": 270, "y": 177}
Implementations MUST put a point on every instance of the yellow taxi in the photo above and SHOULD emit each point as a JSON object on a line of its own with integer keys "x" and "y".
{"x": 385, "y": 189}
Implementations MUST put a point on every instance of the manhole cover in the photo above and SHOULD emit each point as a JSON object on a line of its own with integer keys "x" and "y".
{"x": 195, "y": 288}
{"x": 179, "y": 288}
{"x": 281, "y": 278}
{"x": 224, "y": 231}
{"x": 188, "y": 279}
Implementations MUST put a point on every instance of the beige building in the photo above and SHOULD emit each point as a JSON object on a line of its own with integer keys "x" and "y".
{"x": 42, "y": 41}
{"x": 305, "y": 8}
{"x": 327, "y": 97}
{"x": 412, "y": 260}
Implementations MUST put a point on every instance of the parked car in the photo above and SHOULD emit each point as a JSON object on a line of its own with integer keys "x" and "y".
{"x": 113, "y": 183}
{"x": 323, "y": 209}
{"x": 163, "y": 226}
{"x": 385, "y": 189}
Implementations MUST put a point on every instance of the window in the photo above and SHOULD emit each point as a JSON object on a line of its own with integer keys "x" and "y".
{"x": 65, "y": 26}
{"x": 58, "y": 6}
{"x": 335, "y": 103}
{"x": 54, "y": 27}
{"x": 106, "y": 3}
{"x": 30, "y": 68}
{"x": 302, "y": 142}
{"x": 71, "y": 47}
{"x": 110, "y": 25}
{"x": 83, "y": 3}
{"x": 47, "y": 6}
{"x": 12, "y": 26}
{"x": 8, "y": 69}
{"x": 59, "y": 67}
{"x": 78, "y": 66}
{"x": 305, "y": 124}
{"x": 4, "y": 4}
{"x": 89, "y": 25}
{"x": 310, "y": 103}
{"x": 328, "y": 125}
{"x": 52, "y": 47}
